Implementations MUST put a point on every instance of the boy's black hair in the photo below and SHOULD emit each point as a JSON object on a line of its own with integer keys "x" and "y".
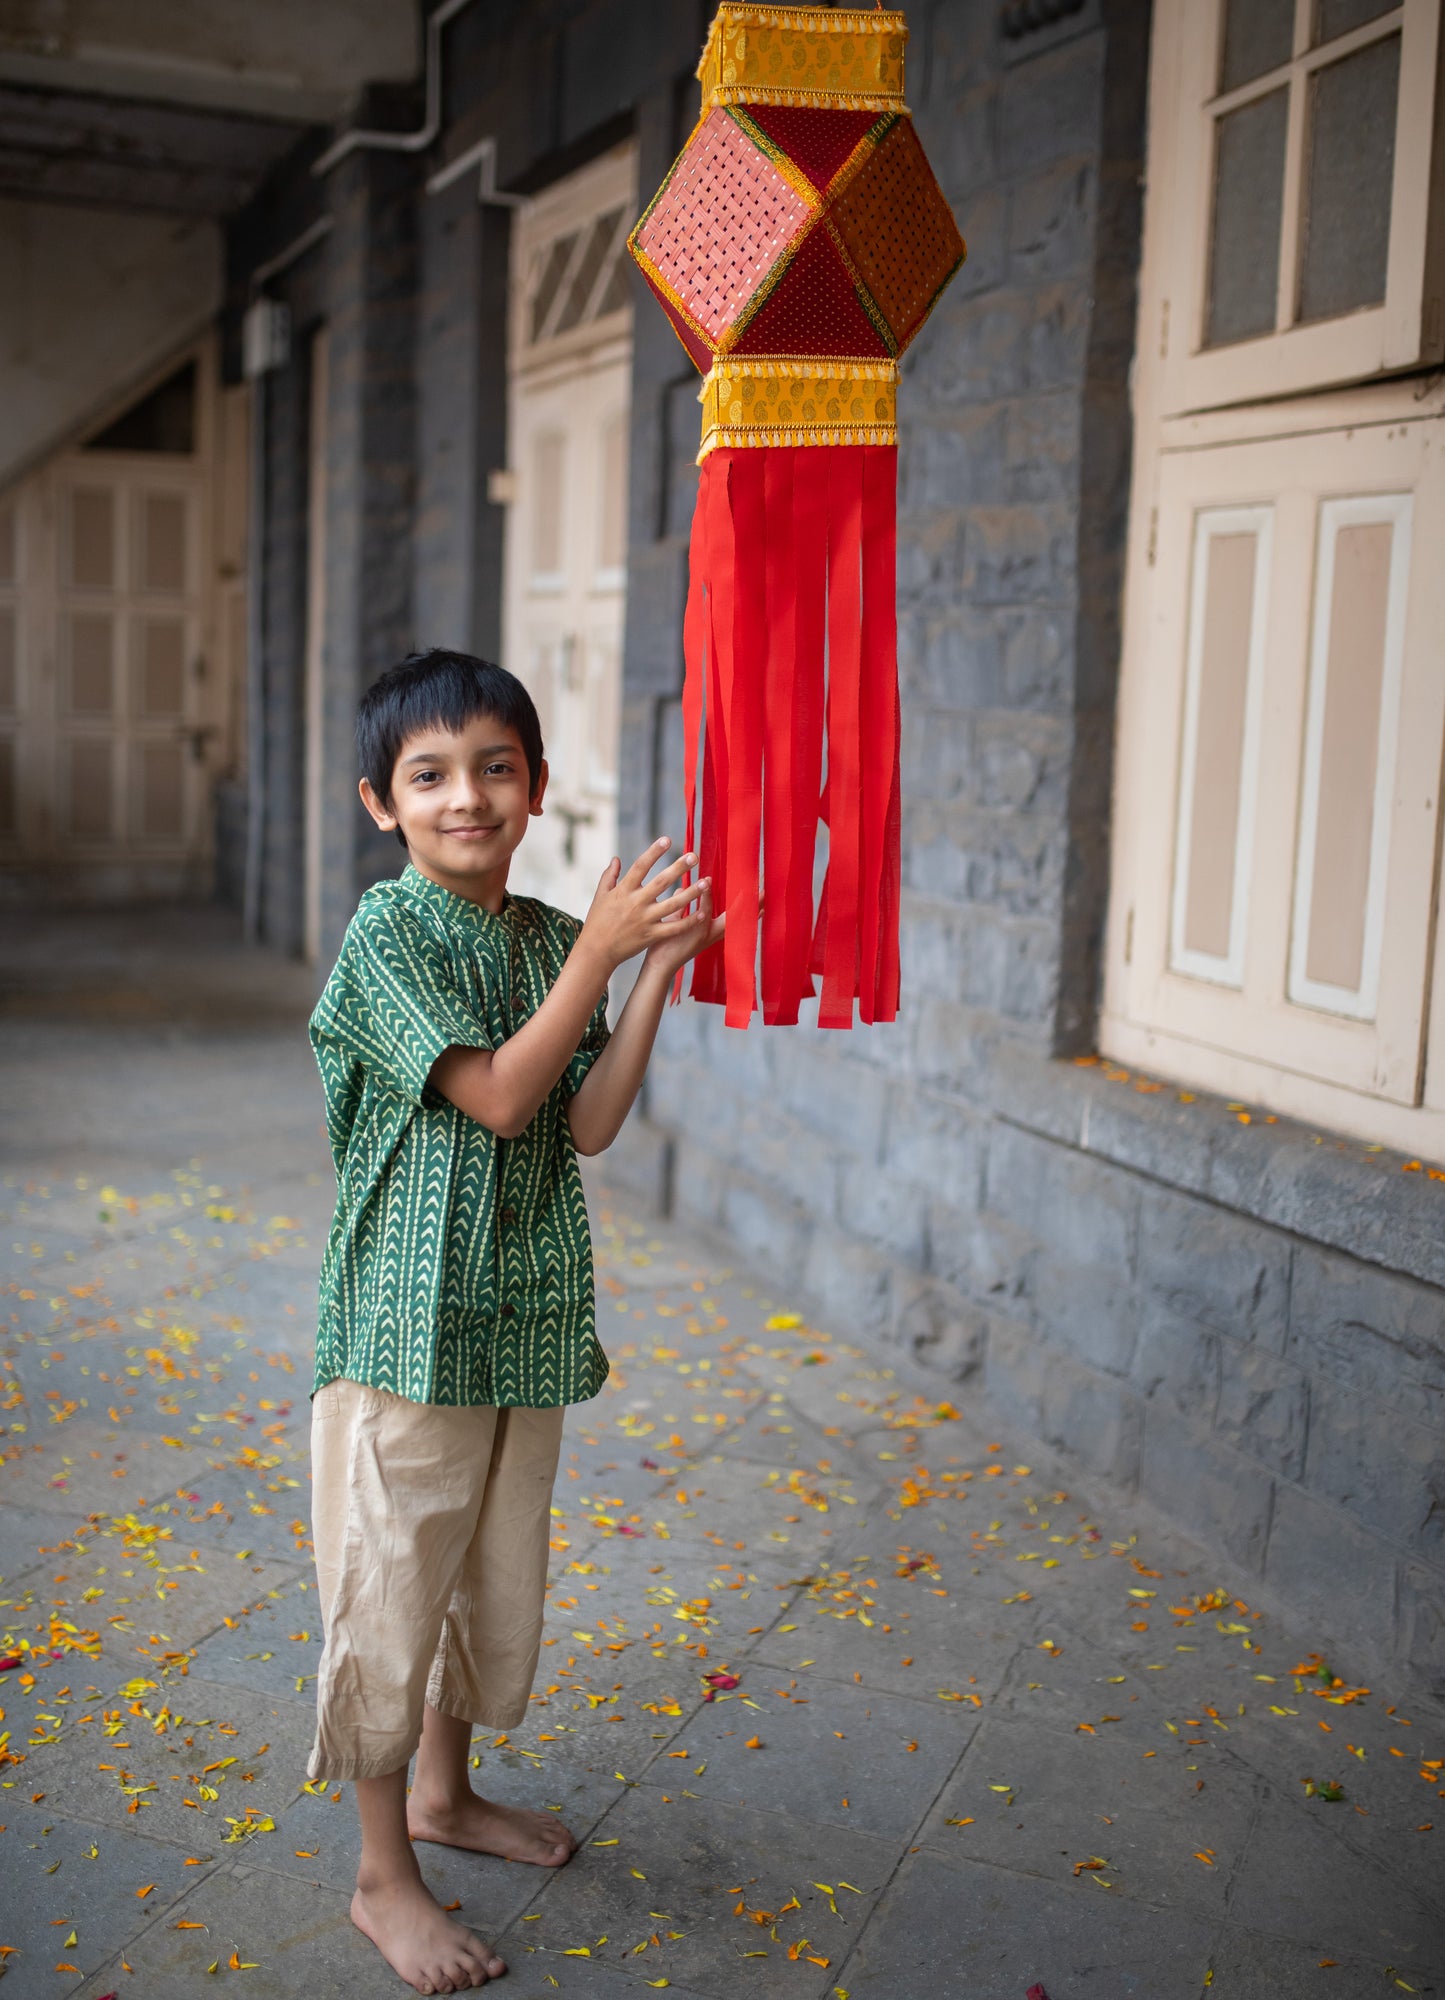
{"x": 439, "y": 690}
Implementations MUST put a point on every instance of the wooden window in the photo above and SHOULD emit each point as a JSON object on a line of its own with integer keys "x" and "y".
{"x": 578, "y": 278}
{"x": 1295, "y": 145}
{"x": 1273, "y": 925}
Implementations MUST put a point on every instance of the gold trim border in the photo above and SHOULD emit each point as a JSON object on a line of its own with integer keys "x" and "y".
{"x": 733, "y": 20}
{"x": 765, "y": 402}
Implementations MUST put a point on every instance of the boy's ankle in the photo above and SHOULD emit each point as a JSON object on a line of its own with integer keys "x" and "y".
{"x": 440, "y": 1800}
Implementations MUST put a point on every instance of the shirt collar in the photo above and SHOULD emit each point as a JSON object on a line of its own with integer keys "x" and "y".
{"x": 456, "y": 909}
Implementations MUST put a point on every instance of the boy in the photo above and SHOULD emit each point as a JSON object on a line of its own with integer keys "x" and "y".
{"x": 464, "y": 1049}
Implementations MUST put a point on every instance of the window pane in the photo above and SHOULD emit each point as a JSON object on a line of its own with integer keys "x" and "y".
{"x": 552, "y": 269}
{"x": 1217, "y": 777}
{"x": 165, "y": 420}
{"x": 1348, "y": 180}
{"x": 1258, "y": 36}
{"x": 1248, "y": 201}
{"x": 589, "y": 268}
{"x": 617, "y": 292}
{"x": 1337, "y": 17}
{"x": 1348, "y": 751}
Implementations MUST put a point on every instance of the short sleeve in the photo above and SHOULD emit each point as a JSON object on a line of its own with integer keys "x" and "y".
{"x": 392, "y": 1004}
{"x": 593, "y": 1042}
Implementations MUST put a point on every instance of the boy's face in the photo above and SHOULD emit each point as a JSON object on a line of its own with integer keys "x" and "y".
{"x": 462, "y": 798}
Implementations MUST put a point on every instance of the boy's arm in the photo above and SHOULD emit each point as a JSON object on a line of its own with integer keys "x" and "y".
{"x": 503, "y": 1090}
{"x": 610, "y": 1087}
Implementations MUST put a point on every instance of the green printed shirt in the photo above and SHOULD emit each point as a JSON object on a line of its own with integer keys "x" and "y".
{"x": 459, "y": 1265}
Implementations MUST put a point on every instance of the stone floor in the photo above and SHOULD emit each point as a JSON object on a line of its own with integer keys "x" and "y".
{"x": 979, "y": 1730}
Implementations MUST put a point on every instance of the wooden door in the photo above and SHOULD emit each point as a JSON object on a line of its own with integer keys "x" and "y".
{"x": 122, "y": 647}
{"x": 566, "y": 543}
{"x": 127, "y": 749}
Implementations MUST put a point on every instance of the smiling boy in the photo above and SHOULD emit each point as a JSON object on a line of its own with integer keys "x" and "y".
{"x": 466, "y": 1058}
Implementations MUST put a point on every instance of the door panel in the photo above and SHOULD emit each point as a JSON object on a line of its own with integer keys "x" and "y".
{"x": 567, "y": 525}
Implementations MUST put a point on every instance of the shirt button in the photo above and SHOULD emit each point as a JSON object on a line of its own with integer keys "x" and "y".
{"x": 508, "y": 1309}
{"x": 509, "y": 1215}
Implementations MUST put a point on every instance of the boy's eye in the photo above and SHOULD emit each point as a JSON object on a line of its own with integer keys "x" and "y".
{"x": 422, "y": 777}
{"x": 503, "y": 769}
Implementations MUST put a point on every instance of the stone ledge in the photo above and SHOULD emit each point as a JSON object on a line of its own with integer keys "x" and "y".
{"x": 1317, "y": 1186}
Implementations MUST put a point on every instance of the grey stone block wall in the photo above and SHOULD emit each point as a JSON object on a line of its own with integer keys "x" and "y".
{"x": 1217, "y": 1319}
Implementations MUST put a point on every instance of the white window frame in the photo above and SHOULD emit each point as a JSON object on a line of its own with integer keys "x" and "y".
{"x": 1408, "y": 329}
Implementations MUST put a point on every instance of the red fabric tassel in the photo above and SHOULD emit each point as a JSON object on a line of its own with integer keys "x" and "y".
{"x": 780, "y": 751}
{"x": 879, "y": 726}
{"x": 790, "y": 635}
{"x": 845, "y": 614}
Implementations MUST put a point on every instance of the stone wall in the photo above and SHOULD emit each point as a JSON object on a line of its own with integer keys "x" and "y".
{"x": 1119, "y": 1271}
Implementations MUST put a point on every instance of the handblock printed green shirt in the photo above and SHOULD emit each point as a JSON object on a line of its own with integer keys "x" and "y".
{"x": 459, "y": 1265}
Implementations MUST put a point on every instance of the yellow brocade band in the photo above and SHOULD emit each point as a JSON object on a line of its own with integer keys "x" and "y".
{"x": 798, "y": 55}
{"x": 798, "y": 402}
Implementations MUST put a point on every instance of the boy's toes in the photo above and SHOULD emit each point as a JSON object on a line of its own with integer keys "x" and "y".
{"x": 479, "y": 1963}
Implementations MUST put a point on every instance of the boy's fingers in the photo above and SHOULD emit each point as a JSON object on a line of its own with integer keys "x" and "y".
{"x": 648, "y": 859}
{"x": 674, "y": 872}
{"x": 680, "y": 899}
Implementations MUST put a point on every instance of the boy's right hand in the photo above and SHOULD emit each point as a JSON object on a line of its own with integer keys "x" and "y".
{"x": 628, "y": 912}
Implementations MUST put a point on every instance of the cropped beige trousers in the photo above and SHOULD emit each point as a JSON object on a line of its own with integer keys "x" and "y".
{"x": 431, "y": 1528}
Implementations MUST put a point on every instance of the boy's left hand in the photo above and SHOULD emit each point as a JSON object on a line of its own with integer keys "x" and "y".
{"x": 683, "y": 937}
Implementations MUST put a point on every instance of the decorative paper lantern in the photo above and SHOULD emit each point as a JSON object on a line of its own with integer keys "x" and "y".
{"x": 797, "y": 246}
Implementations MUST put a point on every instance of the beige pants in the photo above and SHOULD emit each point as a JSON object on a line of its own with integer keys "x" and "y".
{"x": 431, "y": 1530}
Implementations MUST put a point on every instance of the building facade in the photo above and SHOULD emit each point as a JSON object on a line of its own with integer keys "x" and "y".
{"x": 1151, "y": 1153}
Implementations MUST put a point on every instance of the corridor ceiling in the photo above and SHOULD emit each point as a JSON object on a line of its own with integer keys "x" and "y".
{"x": 180, "y": 107}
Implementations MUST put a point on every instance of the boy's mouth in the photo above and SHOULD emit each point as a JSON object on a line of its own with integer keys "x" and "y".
{"x": 470, "y": 832}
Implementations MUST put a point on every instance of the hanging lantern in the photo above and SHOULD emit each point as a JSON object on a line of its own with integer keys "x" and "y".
{"x": 797, "y": 246}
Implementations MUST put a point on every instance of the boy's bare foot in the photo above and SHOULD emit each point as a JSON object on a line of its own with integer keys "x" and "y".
{"x": 485, "y": 1828}
{"x": 419, "y": 1941}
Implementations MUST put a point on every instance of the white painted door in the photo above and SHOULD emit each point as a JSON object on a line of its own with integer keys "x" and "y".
{"x": 114, "y": 751}
{"x": 117, "y": 572}
{"x": 566, "y": 540}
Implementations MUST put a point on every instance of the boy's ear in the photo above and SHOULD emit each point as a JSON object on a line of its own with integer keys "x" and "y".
{"x": 536, "y": 806}
{"x": 382, "y": 814}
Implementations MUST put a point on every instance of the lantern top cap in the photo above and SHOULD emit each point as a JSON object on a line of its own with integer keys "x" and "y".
{"x": 808, "y": 56}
